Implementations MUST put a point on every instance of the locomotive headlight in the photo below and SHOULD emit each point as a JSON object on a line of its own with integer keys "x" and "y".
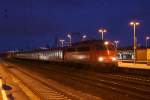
{"x": 106, "y": 43}
{"x": 114, "y": 59}
{"x": 100, "y": 59}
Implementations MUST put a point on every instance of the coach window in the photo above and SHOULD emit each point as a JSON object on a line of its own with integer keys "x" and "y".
{"x": 54, "y": 54}
{"x": 111, "y": 47}
{"x": 100, "y": 47}
{"x": 84, "y": 48}
{"x": 61, "y": 54}
{"x": 51, "y": 54}
{"x": 57, "y": 52}
{"x": 70, "y": 49}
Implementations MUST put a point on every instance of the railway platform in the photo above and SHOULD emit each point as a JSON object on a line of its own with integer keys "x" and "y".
{"x": 141, "y": 69}
{"x": 9, "y": 89}
{"x": 36, "y": 87}
{"x": 49, "y": 82}
{"x": 134, "y": 66}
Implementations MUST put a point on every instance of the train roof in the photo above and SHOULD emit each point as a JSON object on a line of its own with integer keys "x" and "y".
{"x": 87, "y": 42}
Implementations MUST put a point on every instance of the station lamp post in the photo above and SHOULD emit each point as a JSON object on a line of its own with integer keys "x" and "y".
{"x": 62, "y": 42}
{"x": 70, "y": 39}
{"x": 134, "y": 24}
{"x": 147, "y": 38}
{"x": 102, "y": 31}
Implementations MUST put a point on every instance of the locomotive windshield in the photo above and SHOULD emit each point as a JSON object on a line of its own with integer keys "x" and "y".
{"x": 111, "y": 47}
{"x": 105, "y": 47}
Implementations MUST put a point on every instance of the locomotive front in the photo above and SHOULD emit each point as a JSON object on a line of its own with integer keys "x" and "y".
{"x": 106, "y": 53}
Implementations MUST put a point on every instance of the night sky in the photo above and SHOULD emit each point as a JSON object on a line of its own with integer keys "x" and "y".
{"x": 35, "y": 23}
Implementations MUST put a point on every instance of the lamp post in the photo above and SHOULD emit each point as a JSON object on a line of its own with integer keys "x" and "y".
{"x": 70, "y": 39}
{"x": 116, "y": 43}
{"x": 134, "y": 24}
{"x": 147, "y": 38}
{"x": 102, "y": 31}
{"x": 62, "y": 42}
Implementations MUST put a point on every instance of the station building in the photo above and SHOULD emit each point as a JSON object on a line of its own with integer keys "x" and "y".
{"x": 142, "y": 54}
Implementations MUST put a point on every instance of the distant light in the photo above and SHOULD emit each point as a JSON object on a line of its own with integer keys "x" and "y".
{"x": 105, "y": 30}
{"x": 137, "y": 23}
{"x": 131, "y": 23}
{"x": 68, "y": 35}
{"x": 147, "y": 38}
{"x": 84, "y": 36}
{"x": 102, "y": 30}
{"x": 134, "y": 23}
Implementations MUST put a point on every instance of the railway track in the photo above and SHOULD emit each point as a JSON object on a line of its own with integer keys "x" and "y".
{"x": 136, "y": 88}
{"x": 47, "y": 91}
{"x": 39, "y": 88}
{"x": 121, "y": 84}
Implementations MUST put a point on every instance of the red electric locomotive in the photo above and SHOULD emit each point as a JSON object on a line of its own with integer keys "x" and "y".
{"x": 92, "y": 52}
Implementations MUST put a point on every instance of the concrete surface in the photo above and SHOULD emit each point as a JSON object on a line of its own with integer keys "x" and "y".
{"x": 132, "y": 65}
{"x": 7, "y": 78}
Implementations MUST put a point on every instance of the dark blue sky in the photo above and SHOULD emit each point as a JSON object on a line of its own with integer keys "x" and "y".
{"x": 34, "y": 23}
